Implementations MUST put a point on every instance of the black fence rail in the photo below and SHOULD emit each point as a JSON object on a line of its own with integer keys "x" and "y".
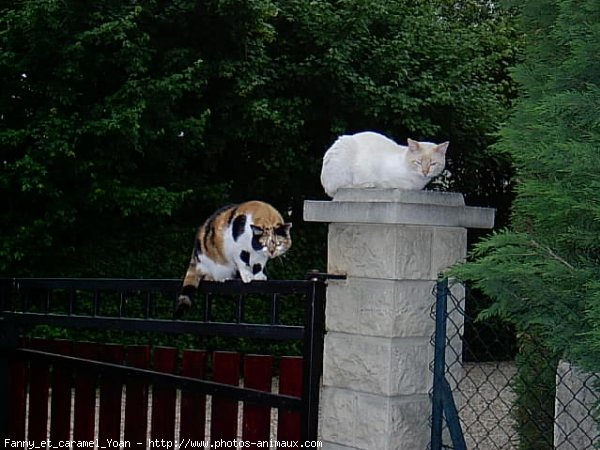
{"x": 148, "y": 305}
{"x": 509, "y": 393}
{"x": 271, "y": 311}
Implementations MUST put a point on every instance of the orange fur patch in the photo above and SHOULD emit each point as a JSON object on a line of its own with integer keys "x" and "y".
{"x": 263, "y": 214}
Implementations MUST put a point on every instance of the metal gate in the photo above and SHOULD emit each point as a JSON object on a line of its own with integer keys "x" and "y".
{"x": 145, "y": 306}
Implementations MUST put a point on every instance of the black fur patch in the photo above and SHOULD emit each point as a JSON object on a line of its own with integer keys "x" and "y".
{"x": 188, "y": 290}
{"x": 239, "y": 224}
{"x": 208, "y": 232}
{"x": 256, "y": 245}
{"x": 183, "y": 306}
{"x": 245, "y": 256}
{"x": 198, "y": 249}
{"x": 256, "y": 268}
{"x": 282, "y": 230}
{"x": 231, "y": 214}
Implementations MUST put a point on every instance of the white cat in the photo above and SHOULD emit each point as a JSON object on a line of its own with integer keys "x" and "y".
{"x": 371, "y": 160}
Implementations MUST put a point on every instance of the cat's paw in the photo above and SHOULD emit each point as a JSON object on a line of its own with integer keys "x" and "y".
{"x": 260, "y": 276}
{"x": 246, "y": 276}
{"x": 184, "y": 303}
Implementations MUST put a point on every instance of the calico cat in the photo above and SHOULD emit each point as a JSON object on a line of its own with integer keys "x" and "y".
{"x": 235, "y": 242}
{"x": 369, "y": 159}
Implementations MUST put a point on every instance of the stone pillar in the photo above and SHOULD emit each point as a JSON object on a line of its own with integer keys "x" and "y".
{"x": 391, "y": 244}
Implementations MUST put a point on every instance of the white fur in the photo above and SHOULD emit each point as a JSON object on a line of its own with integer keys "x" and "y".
{"x": 369, "y": 159}
{"x": 218, "y": 272}
{"x": 232, "y": 250}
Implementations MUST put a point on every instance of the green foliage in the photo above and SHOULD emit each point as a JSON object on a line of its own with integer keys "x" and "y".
{"x": 534, "y": 386}
{"x": 125, "y": 124}
{"x": 543, "y": 272}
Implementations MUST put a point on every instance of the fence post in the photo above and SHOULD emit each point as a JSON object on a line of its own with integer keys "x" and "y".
{"x": 392, "y": 245}
{"x": 313, "y": 358}
{"x": 439, "y": 364}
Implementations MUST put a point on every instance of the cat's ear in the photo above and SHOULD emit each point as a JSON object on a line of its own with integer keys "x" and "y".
{"x": 413, "y": 145}
{"x": 283, "y": 229}
{"x": 256, "y": 231}
{"x": 441, "y": 148}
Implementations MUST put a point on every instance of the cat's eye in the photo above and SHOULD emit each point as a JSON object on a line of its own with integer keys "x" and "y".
{"x": 417, "y": 162}
{"x": 433, "y": 163}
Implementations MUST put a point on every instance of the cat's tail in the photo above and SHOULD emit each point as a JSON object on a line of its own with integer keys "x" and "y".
{"x": 190, "y": 285}
{"x": 336, "y": 172}
{"x": 184, "y": 302}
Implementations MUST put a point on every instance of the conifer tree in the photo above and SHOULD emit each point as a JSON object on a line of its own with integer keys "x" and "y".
{"x": 544, "y": 273}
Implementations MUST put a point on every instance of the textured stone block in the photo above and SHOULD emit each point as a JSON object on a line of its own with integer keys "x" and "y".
{"x": 377, "y": 365}
{"x": 362, "y": 250}
{"x": 413, "y": 253}
{"x": 449, "y": 247}
{"x": 361, "y": 363}
{"x": 410, "y": 423}
{"x": 380, "y": 251}
{"x": 338, "y": 416}
{"x": 380, "y": 307}
{"x": 413, "y": 302}
{"x": 409, "y": 371}
{"x": 374, "y": 422}
{"x": 360, "y": 306}
{"x": 363, "y": 421}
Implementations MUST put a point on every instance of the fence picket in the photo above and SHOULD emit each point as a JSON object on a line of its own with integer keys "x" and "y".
{"x": 163, "y": 399}
{"x": 85, "y": 394}
{"x": 60, "y": 422}
{"x": 258, "y": 374}
{"x": 290, "y": 383}
{"x": 136, "y": 396}
{"x": 193, "y": 405}
{"x": 39, "y": 386}
{"x": 111, "y": 393}
{"x": 224, "y": 414}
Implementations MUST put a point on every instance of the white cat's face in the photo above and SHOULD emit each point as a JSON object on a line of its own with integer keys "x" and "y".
{"x": 427, "y": 159}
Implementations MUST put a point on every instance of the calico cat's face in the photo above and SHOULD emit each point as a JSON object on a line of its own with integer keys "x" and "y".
{"x": 274, "y": 241}
{"x": 427, "y": 159}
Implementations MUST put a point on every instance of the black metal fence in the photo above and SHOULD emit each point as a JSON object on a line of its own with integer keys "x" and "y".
{"x": 509, "y": 393}
{"x": 273, "y": 311}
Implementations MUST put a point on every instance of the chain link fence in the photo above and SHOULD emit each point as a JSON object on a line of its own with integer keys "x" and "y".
{"x": 513, "y": 393}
